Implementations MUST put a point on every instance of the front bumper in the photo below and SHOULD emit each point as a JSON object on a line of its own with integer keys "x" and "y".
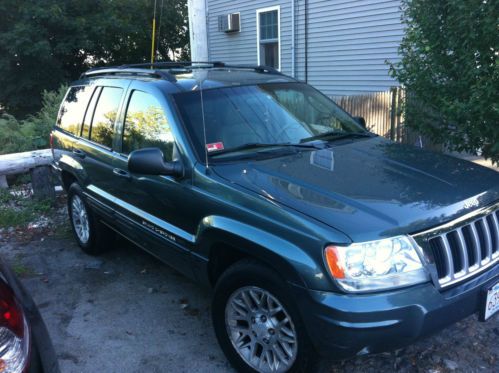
{"x": 345, "y": 325}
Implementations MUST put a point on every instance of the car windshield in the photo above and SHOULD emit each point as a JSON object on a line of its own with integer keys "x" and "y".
{"x": 265, "y": 114}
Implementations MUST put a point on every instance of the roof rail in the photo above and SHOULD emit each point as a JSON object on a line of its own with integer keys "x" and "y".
{"x": 257, "y": 68}
{"x": 119, "y": 70}
{"x": 160, "y": 69}
{"x": 171, "y": 64}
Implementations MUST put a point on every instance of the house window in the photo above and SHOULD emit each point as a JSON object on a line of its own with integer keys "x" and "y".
{"x": 268, "y": 36}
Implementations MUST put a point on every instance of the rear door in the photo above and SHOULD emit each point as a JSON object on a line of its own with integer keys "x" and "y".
{"x": 95, "y": 147}
{"x": 68, "y": 126}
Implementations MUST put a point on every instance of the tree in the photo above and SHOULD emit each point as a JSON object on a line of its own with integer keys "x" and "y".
{"x": 44, "y": 43}
{"x": 450, "y": 68}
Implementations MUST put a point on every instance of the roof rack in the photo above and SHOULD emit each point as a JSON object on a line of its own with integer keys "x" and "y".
{"x": 160, "y": 69}
{"x": 204, "y": 64}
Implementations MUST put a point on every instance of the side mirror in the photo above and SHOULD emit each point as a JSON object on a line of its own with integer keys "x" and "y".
{"x": 361, "y": 121}
{"x": 150, "y": 161}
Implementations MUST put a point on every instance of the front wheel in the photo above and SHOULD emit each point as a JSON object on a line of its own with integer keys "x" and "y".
{"x": 257, "y": 323}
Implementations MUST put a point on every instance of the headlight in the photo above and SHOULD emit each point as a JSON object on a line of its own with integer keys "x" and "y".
{"x": 376, "y": 265}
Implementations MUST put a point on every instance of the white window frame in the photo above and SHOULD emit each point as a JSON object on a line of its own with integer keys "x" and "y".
{"x": 264, "y": 10}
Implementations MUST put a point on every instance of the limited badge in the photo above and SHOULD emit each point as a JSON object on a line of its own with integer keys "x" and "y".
{"x": 214, "y": 146}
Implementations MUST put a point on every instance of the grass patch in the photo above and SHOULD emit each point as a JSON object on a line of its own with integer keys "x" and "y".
{"x": 22, "y": 271}
{"x": 5, "y": 196}
{"x": 17, "y": 210}
{"x": 12, "y": 218}
{"x": 63, "y": 231}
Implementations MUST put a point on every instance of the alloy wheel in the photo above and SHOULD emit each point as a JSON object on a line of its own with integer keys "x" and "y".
{"x": 79, "y": 216}
{"x": 261, "y": 330}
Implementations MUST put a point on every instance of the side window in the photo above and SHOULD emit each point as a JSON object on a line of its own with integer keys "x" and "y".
{"x": 73, "y": 109}
{"x": 102, "y": 130}
{"x": 146, "y": 125}
{"x": 90, "y": 113}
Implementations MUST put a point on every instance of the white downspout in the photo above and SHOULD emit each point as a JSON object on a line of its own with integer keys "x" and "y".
{"x": 197, "y": 30}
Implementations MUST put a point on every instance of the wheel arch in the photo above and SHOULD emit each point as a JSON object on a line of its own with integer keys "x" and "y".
{"x": 223, "y": 241}
{"x": 67, "y": 178}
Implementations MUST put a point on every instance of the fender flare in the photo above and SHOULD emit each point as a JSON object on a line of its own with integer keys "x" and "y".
{"x": 289, "y": 260}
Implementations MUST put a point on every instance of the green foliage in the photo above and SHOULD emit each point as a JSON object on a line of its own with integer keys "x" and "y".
{"x": 450, "y": 68}
{"x": 12, "y": 139}
{"x": 44, "y": 43}
{"x": 33, "y": 132}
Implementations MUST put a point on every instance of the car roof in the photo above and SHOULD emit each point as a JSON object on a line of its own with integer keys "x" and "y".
{"x": 225, "y": 77}
{"x": 189, "y": 76}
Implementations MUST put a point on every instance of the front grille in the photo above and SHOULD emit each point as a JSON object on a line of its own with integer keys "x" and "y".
{"x": 461, "y": 252}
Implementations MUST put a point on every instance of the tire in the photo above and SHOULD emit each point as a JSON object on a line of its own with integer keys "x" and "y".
{"x": 253, "y": 279}
{"x": 92, "y": 236}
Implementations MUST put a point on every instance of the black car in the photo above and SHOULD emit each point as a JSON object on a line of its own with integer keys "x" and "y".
{"x": 25, "y": 344}
{"x": 316, "y": 235}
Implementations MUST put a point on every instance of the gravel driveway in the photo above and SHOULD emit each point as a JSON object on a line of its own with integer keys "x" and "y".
{"x": 127, "y": 312}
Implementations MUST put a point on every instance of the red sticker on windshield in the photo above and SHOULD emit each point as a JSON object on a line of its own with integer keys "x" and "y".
{"x": 214, "y": 146}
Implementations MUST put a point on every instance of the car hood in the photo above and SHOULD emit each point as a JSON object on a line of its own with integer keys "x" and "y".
{"x": 369, "y": 188}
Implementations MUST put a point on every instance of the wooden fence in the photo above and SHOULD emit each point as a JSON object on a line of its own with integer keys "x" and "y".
{"x": 381, "y": 110}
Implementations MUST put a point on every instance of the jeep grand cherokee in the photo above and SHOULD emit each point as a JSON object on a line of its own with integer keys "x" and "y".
{"x": 316, "y": 235}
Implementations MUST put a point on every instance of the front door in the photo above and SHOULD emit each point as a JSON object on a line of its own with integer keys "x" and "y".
{"x": 153, "y": 207}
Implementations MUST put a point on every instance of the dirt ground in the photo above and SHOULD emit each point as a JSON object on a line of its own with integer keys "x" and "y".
{"x": 127, "y": 312}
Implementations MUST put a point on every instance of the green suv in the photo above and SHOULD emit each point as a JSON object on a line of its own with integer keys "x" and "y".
{"x": 316, "y": 235}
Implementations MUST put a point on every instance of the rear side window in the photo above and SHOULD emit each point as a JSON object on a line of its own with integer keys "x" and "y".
{"x": 85, "y": 131}
{"x": 146, "y": 125}
{"x": 73, "y": 109}
{"x": 102, "y": 130}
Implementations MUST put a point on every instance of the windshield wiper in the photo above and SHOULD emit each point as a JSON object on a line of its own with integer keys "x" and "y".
{"x": 336, "y": 135}
{"x": 258, "y": 145}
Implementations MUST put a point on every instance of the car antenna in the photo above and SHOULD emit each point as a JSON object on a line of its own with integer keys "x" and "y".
{"x": 204, "y": 122}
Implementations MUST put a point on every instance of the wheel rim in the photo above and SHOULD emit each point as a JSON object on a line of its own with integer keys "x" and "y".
{"x": 261, "y": 330}
{"x": 79, "y": 217}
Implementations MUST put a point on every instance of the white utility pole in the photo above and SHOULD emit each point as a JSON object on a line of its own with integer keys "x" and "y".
{"x": 197, "y": 30}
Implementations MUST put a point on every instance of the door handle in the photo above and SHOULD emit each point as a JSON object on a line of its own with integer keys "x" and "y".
{"x": 79, "y": 153}
{"x": 121, "y": 173}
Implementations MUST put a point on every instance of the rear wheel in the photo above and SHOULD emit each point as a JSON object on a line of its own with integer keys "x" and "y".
{"x": 92, "y": 236}
{"x": 257, "y": 323}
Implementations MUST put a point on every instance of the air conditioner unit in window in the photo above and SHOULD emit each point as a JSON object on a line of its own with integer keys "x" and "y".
{"x": 229, "y": 22}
